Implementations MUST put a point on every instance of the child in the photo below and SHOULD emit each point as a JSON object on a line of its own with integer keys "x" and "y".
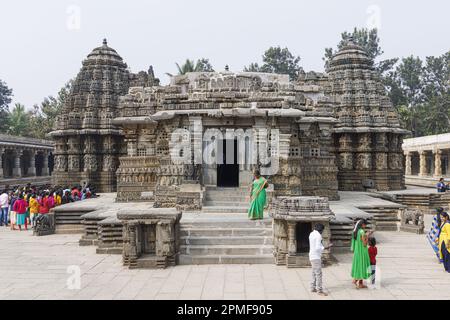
{"x": 373, "y": 251}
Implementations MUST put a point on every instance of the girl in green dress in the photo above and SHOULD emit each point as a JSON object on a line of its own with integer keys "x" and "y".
{"x": 258, "y": 197}
{"x": 361, "y": 268}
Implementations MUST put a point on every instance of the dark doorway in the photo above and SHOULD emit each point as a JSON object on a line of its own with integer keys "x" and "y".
{"x": 302, "y": 234}
{"x": 228, "y": 168}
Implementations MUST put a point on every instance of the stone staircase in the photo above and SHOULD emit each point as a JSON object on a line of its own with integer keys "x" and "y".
{"x": 222, "y": 233}
{"x": 226, "y": 200}
{"x": 226, "y": 239}
{"x": 385, "y": 218}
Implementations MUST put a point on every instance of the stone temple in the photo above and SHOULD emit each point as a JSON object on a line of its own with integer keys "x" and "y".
{"x": 180, "y": 159}
{"x": 334, "y": 131}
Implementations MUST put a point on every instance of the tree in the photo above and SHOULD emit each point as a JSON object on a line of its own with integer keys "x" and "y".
{"x": 202, "y": 65}
{"x": 43, "y": 116}
{"x": 278, "y": 60}
{"x": 436, "y": 94}
{"x": 18, "y": 121}
{"x": 5, "y": 100}
{"x": 420, "y": 93}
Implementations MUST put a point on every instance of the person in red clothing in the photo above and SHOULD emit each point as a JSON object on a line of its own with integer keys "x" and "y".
{"x": 43, "y": 204}
{"x": 373, "y": 251}
{"x": 20, "y": 208}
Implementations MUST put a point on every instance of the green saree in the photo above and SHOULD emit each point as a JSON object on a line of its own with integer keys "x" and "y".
{"x": 258, "y": 200}
{"x": 361, "y": 268}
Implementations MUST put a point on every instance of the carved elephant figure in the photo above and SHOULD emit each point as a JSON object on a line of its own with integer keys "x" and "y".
{"x": 412, "y": 216}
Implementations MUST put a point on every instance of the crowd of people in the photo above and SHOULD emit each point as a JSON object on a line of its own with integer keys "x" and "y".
{"x": 21, "y": 206}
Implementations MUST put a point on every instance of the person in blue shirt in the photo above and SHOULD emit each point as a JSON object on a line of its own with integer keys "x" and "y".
{"x": 441, "y": 186}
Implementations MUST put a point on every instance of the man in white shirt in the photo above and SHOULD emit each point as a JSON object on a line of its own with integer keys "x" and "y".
{"x": 4, "y": 205}
{"x": 315, "y": 256}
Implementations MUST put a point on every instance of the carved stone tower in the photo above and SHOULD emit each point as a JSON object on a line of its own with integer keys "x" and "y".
{"x": 368, "y": 137}
{"x": 88, "y": 145}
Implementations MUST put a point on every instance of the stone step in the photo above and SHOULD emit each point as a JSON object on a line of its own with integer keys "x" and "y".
{"x": 225, "y": 232}
{"x": 228, "y": 259}
{"x": 228, "y": 240}
{"x": 220, "y": 203}
{"x": 196, "y": 250}
{"x": 224, "y": 209}
{"x": 224, "y": 224}
{"x": 227, "y": 199}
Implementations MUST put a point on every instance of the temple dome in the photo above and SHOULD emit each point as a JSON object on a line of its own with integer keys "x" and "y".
{"x": 105, "y": 55}
{"x": 350, "y": 56}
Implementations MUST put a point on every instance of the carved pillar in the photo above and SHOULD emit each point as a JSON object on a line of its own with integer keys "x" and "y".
{"x": 45, "y": 171}
{"x": 17, "y": 170}
{"x": 32, "y": 167}
{"x": 196, "y": 128}
{"x": 408, "y": 170}
{"x": 437, "y": 163}
{"x": 292, "y": 239}
{"x": 423, "y": 163}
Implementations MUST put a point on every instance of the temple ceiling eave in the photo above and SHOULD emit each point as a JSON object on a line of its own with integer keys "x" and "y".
{"x": 371, "y": 129}
{"x": 84, "y": 132}
{"x": 236, "y": 113}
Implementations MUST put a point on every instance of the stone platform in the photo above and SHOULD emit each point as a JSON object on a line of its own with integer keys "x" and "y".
{"x": 217, "y": 237}
{"x": 425, "y": 199}
{"x": 38, "y": 269}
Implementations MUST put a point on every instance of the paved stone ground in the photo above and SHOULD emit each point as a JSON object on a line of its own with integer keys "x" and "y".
{"x": 37, "y": 268}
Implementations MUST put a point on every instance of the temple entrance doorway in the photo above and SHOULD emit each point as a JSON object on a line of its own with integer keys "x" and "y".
{"x": 228, "y": 168}
{"x": 302, "y": 235}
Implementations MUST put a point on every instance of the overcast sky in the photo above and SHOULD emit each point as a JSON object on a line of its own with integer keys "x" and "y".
{"x": 44, "y": 42}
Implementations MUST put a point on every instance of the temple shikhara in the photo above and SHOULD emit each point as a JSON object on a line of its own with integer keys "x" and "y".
{"x": 334, "y": 131}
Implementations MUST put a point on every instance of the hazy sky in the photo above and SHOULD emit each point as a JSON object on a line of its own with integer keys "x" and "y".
{"x": 44, "y": 42}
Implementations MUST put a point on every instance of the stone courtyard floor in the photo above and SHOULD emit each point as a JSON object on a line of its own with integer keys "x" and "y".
{"x": 42, "y": 268}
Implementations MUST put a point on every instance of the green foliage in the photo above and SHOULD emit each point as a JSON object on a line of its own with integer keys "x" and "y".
{"x": 420, "y": 91}
{"x": 278, "y": 60}
{"x": 38, "y": 122}
{"x": 5, "y": 100}
{"x": 18, "y": 123}
{"x": 43, "y": 116}
{"x": 202, "y": 65}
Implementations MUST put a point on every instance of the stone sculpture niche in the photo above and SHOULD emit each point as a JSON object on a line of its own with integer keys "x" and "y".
{"x": 294, "y": 219}
{"x": 150, "y": 238}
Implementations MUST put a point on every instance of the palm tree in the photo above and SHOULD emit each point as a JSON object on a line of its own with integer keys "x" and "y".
{"x": 202, "y": 65}
{"x": 188, "y": 66}
{"x": 18, "y": 121}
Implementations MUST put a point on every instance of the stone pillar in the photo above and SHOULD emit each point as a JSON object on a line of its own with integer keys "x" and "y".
{"x": 408, "y": 170}
{"x": 32, "y": 167}
{"x": 423, "y": 163}
{"x": 292, "y": 238}
{"x": 45, "y": 164}
{"x": 17, "y": 170}
{"x": 437, "y": 163}
{"x": 196, "y": 129}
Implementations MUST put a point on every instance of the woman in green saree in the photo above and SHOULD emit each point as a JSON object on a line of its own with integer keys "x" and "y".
{"x": 361, "y": 268}
{"x": 258, "y": 197}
